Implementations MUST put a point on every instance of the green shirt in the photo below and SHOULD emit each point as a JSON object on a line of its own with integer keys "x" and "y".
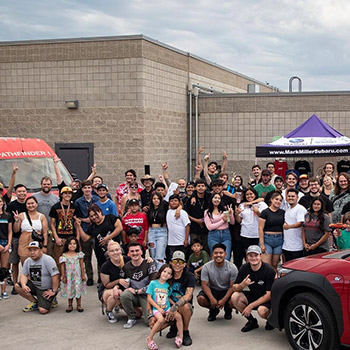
{"x": 343, "y": 242}
{"x": 198, "y": 261}
{"x": 262, "y": 190}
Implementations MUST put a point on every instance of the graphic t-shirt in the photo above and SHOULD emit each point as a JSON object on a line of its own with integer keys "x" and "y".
{"x": 5, "y": 220}
{"x": 40, "y": 271}
{"x": 178, "y": 289}
{"x": 136, "y": 220}
{"x": 64, "y": 219}
{"x": 160, "y": 294}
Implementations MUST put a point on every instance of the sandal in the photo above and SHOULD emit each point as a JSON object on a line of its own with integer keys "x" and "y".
{"x": 69, "y": 309}
{"x": 178, "y": 341}
{"x": 151, "y": 344}
{"x": 79, "y": 308}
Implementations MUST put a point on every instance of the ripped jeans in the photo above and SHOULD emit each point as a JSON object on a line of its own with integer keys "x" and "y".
{"x": 157, "y": 242}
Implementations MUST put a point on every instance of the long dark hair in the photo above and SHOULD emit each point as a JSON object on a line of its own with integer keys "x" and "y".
{"x": 251, "y": 190}
{"x": 162, "y": 268}
{"x": 337, "y": 189}
{"x": 70, "y": 239}
{"x": 320, "y": 214}
{"x": 221, "y": 207}
{"x": 152, "y": 209}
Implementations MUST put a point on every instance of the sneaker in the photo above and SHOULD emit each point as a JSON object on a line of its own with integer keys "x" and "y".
{"x": 131, "y": 323}
{"x": 5, "y": 295}
{"x": 172, "y": 331}
{"x": 187, "y": 340}
{"x": 228, "y": 314}
{"x": 250, "y": 325}
{"x": 268, "y": 327}
{"x": 212, "y": 314}
{"x": 54, "y": 303}
{"x": 31, "y": 307}
{"x": 110, "y": 317}
{"x": 14, "y": 291}
{"x": 90, "y": 282}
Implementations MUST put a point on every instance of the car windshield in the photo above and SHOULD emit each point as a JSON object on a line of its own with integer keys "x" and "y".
{"x": 31, "y": 171}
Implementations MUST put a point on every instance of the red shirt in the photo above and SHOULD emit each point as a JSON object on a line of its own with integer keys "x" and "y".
{"x": 136, "y": 220}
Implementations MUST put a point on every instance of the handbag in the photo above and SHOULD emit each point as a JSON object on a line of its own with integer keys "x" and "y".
{"x": 35, "y": 235}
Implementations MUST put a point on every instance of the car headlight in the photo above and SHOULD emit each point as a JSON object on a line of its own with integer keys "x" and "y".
{"x": 283, "y": 272}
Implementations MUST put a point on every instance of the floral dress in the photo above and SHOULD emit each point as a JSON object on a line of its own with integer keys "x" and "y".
{"x": 75, "y": 286}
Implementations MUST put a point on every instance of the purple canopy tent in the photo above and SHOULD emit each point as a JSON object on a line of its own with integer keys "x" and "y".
{"x": 313, "y": 138}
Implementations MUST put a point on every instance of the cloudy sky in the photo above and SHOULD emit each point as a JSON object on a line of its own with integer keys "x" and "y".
{"x": 269, "y": 40}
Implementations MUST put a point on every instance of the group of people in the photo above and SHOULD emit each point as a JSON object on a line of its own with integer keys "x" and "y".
{"x": 179, "y": 227}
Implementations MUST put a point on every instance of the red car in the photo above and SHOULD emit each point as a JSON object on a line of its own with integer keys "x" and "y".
{"x": 310, "y": 301}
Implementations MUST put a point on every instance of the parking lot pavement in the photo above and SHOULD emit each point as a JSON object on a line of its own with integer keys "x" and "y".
{"x": 90, "y": 329}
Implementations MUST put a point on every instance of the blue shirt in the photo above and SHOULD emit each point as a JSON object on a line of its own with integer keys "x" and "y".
{"x": 83, "y": 206}
{"x": 108, "y": 207}
{"x": 160, "y": 294}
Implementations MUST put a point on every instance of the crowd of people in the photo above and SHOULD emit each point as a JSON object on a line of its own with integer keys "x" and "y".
{"x": 158, "y": 238}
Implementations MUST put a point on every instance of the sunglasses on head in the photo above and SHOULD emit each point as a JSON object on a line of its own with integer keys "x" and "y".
{"x": 178, "y": 262}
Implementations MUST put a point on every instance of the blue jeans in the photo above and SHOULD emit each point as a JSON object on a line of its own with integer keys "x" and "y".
{"x": 157, "y": 242}
{"x": 220, "y": 236}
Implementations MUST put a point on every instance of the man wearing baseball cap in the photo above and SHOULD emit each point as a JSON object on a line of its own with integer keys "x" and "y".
{"x": 39, "y": 280}
{"x": 258, "y": 277}
{"x": 264, "y": 186}
{"x": 62, "y": 221}
{"x": 107, "y": 205}
{"x": 182, "y": 294}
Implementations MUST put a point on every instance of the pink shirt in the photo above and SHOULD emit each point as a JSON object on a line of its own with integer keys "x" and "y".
{"x": 216, "y": 221}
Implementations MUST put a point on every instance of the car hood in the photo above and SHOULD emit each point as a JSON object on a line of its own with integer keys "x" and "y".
{"x": 307, "y": 263}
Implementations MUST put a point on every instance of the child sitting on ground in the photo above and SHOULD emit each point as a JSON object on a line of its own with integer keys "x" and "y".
{"x": 197, "y": 259}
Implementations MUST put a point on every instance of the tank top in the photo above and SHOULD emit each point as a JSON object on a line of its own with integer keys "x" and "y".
{"x": 36, "y": 224}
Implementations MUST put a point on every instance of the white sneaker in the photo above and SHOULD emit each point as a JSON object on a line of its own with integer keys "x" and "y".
{"x": 129, "y": 324}
{"x": 5, "y": 295}
{"x": 111, "y": 318}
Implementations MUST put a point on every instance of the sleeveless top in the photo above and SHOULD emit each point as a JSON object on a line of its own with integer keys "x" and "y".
{"x": 36, "y": 224}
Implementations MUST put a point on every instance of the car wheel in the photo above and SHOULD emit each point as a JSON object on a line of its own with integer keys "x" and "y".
{"x": 310, "y": 324}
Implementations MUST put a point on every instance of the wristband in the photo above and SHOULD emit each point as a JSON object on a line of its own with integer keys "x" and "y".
{"x": 44, "y": 246}
{"x": 149, "y": 316}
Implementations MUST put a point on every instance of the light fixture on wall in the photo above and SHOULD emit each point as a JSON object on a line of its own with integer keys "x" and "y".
{"x": 72, "y": 104}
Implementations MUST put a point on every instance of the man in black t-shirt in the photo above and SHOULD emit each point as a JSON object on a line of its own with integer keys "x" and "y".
{"x": 258, "y": 276}
{"x": 195, "y": 207}
{"x": 315, "y": 191}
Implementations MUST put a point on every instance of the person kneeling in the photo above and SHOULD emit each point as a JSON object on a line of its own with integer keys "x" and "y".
{"x": 258, "y": 277}
{"x": 218, "y": 277}
{"x": 39, "y": 280}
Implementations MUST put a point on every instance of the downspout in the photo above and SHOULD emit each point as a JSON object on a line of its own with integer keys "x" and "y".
{"x": 190, "y": 134}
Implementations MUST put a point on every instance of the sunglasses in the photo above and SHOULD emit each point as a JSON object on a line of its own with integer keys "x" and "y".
{"x": 133, "y": 186}
{"x": 177, "y": 262}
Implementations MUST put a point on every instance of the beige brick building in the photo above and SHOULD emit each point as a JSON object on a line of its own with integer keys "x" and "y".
{"x": 239, "y": 122}
{"x": 132, "y": 93}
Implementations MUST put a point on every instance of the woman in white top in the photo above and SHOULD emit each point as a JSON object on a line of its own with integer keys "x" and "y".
{"x": 247, "y": 214}
{"x": 28, "y": 221}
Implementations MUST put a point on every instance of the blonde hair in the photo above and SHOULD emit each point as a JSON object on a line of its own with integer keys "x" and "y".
{"x": 113, "y": 243}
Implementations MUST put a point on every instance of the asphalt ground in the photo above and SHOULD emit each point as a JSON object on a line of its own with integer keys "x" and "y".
{"x": 91, "y": 330}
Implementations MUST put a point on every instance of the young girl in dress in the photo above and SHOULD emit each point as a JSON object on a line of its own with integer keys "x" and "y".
{"x": 73, "y": 279}
{"x": 158, "y": 292}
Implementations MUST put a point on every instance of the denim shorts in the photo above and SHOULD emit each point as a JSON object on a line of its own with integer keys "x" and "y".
{"x": 273, "y": 243}
{"x": 4, "y": 242}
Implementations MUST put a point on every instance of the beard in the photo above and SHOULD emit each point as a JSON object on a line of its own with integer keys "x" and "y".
{"x": 46, "y": 190}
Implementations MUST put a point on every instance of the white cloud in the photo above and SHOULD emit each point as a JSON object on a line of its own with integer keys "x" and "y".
{"x": 268, "y": 40}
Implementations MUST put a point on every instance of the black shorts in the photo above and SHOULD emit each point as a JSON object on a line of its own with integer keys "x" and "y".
{"x": 43, "y": 302}
{"x": 251, "y": 298}
{"x": 217, "y": 294}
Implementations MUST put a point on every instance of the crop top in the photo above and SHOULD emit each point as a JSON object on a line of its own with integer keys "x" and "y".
{"x": 158, "y": 216}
